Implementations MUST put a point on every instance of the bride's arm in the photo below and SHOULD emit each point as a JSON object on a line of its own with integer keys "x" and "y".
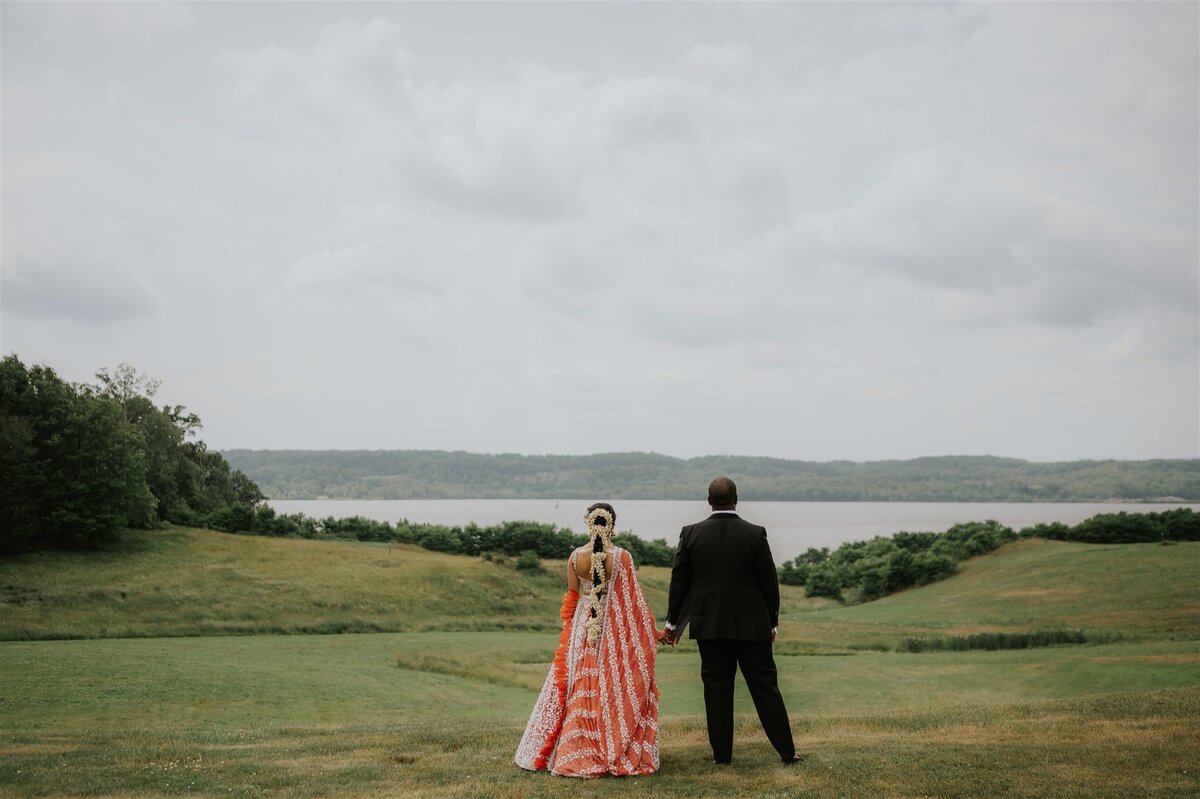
{"x": 572, "y": 576}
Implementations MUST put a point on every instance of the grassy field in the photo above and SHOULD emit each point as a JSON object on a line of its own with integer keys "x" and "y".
{"x": 428, "y": 692}
{"x": 194, "y": 582}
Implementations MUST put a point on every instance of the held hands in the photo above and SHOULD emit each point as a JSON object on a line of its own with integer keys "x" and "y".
{"x": 668, "y": 637}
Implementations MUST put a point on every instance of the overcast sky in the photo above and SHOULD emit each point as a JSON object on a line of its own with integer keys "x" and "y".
{"x": 808, "y": 231}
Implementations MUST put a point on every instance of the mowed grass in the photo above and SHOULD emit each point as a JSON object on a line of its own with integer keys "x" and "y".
{"x": 1119, "y": 745}
{"x": 198, "y": 700}
{"x": 245, "y": 681}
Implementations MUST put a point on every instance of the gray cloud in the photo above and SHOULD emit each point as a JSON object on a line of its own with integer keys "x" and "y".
{"x": 858, "y": 216}
{"x": 82, "y": 291}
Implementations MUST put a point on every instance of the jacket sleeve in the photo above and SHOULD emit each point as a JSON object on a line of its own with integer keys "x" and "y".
{"x": 681, "y": 579}
{"x": 768, "y": 580}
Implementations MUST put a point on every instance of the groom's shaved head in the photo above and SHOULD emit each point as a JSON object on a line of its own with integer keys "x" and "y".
{"x": 722, "y": 493}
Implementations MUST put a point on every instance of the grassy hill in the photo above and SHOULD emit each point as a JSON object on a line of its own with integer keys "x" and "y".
{"x": 197, "y": 582}
{"x": 155, "y": 695}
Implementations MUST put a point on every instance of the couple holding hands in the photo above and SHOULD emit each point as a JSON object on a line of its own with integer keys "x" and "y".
{"x": 597, "y": 712}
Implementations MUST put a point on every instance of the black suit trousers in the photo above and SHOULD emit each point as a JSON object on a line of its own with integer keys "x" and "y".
{"x": 719, "y": 662}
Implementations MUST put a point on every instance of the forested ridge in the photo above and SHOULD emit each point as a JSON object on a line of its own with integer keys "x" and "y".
{"x": 436, "y": 474}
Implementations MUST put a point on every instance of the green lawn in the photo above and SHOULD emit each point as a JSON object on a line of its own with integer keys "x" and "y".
{"x": 434, "y": 703}
{"x": 243, "y": 681}
{"x": 1116, "y": 745}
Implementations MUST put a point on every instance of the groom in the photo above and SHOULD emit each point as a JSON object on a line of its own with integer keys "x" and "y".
{"x": 725, "y": 574}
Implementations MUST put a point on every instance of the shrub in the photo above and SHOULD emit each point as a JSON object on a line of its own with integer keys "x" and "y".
{"x": 823, "y": 581}
{"x": 357, "y": 527}
{"x": 1178, "y": 524}
{"x": 515, "y": 537}
{"x": 646, "y": 553}
{"x": 233, "y": 519}
{"x": 528, "y": 561}
{"x": 795, "y": 571}
{"x": 441, "y": 539}
{"x": 1113, "y": 528}
{"x": 1056, "y": 531}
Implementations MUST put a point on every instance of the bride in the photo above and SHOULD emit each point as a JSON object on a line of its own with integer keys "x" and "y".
{"x": 598, "y": 710}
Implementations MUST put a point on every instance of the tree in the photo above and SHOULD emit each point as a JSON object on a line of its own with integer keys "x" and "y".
{"x": 178, "y": 471}
{"x": 79, "y": 466}
{"x": 131, "y": 391}
{"x": 18, "y": 476}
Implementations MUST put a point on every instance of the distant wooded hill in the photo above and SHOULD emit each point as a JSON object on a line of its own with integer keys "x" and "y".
{"x": 435, "y": 474}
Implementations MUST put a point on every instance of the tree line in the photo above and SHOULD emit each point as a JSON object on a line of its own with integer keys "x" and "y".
{"x": 79, "y": 462}
{"x": 435, "y": 474}
{"x": 861, "y": 571}
{"x": 506, "y": 538}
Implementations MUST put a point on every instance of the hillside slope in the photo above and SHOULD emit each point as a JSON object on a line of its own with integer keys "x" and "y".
{"x": 198, "y": 582}
{"x": 1140, "y": 590}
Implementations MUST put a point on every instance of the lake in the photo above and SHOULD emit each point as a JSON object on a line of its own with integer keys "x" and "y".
{"x": 792, "y": 527}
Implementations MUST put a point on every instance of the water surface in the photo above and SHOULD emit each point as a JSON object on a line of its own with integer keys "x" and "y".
{"x": 792, "y": 527}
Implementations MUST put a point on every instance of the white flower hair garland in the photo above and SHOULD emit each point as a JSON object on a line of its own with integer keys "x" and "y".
{"x": 600, "y": 526}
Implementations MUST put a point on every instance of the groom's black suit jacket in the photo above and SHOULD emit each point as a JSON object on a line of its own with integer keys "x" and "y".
{"x": 725, "y": 577}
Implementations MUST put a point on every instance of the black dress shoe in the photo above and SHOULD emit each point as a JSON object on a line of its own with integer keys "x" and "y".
{"x": 794, "y": 759}
{"x": 716, "y": 762}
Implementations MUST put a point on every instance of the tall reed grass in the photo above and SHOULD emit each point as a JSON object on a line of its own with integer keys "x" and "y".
{"x": 994, "y": 641}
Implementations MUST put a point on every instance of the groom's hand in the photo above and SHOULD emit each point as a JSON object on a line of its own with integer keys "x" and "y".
{"x": 668, "y": 637}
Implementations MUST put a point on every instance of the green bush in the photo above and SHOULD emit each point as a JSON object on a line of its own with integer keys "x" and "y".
{"x": 881, "y": 566}
{"x": 823, "y": 581}
{"x": 441, "y": 539}
{"x": 1177, "y": 524}
{"x": 360, "y": 528}
{"x": 646, "y": 553}
{"x": 528, "y": 561}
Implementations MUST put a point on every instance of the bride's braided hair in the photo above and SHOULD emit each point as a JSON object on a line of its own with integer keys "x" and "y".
{"x": 601, "y": 519}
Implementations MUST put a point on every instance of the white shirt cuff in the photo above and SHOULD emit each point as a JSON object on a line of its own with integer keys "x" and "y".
{"x": 670, "y": 626}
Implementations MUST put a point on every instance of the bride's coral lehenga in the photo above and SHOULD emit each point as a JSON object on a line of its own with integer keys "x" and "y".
{"x": 598, "y": 710}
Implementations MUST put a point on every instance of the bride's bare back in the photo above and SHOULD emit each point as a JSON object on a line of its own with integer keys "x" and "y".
{"x": 583, "y": 566}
